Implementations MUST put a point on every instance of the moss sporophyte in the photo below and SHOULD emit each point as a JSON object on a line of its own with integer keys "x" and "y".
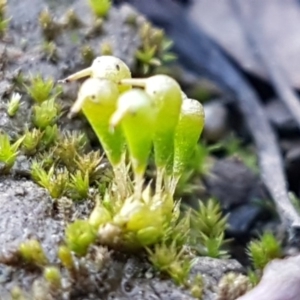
{"x": 131, "y": 116}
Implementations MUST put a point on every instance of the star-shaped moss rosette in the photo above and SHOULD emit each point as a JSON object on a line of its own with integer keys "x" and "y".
{"x": 133, "y": 223}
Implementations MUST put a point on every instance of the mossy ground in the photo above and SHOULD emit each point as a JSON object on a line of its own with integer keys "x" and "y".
{"x": 27, "y": 211}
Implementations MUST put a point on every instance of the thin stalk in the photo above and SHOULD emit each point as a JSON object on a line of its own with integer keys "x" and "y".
{"x": 120, "y": 178}
{"x": 159, "y": 180}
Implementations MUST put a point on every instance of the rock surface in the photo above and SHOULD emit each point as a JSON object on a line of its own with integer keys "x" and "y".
{"x": 237, "y": 188}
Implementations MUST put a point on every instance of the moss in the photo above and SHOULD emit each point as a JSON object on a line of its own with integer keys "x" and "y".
{"x": 50, "y": 50}
{"x": 79, "y": 236}
{"x": 106, "y": 48}
{"x": 53, "y": 277}
{"x": 4, "y": 22}
{"x": 112, "y": 215}
{"x": 45, "y": 114}
{"x": 55, "y": 180}
{"x": 196, "y": 286}
{"x": 208, "y": 230}
{"x": 48, "y": 25}
{"x": 172, "y": 260}
{"x": 232, "y": 286}
{"x": 39, "y": 89}
{"x": 87, "y": 54}
{"x": 32, "y": 252}
{"x": 8, "y": 151}
{"x": 155, "y": 49}
{"x": 72, "y": 20}
{"x": 32, "y": 139}
{"x": 263, "y": 250}
{"x": 14, "y": 104}
{"x": 100, "y": 7}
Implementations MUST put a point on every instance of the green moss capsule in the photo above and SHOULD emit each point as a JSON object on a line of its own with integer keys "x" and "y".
{"x": 107, "y": 67}
{"x": 137, "y": 114}
{"x": 167, "y": 96}
{"x": 98, "y": 98}
{"x": 188, "y": 131}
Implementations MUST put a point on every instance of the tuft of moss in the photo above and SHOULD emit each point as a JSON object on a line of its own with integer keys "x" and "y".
{"x": 49, "y": 27}
{"x": 45, "y": 114}
{"x": 171, "y": 260}
{"x": 55, "y": 180}
{"x": 8, "y": 151}
{"x": 100, "y": 7}
{"x": 50, "y": 50}
{"x": 66, "y": 257}
{"x": 232, "y": 286}
{"x": 100, "y": 215}
{"x": 233, "y": 146}
{"x": 155, "y": 49}
{"x": 31, "y": 141}
{"x": 90, "y": 163}
{"x": 17, "y": 293}
{"x": 18, "y": 80}
{"x": 50, "y": 136}
{"x": 208, "y": 230}
{"x": 32, "y": 252}
{"x": 3, "y": 26}
{"x": 13, "y": 104}
{"x": 68, "y": 146}
{"x": 79, "y": 184}
{"x": 196, "y": 286}
{"x": 87, "y": 54}
{"x": 39, "y": 89}
{"x": 53, "y": 276}
{"x": 263, "y": 250}
{"x": 3, "y": 21}
{"x": 79, "y": 236}
{"x": 106, "y": 48}
{"x": 96, "y": 29}
{"x": 72, "y": 20}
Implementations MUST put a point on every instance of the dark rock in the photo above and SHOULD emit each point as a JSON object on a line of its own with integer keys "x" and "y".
{"x": 292, "y": 165}
{"x": 280, "y": 117}
{"x": 242, "y": 218}
{"x": 238, "y": 189}
{"x": 22, "y": 166}
{"x": 232, "y": 183}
